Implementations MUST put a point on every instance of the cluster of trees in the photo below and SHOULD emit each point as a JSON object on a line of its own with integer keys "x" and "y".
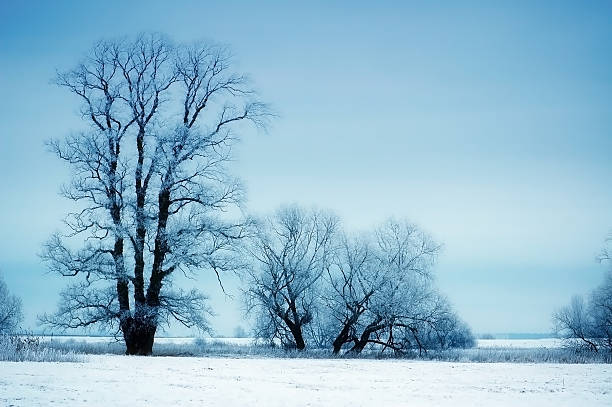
{"x": 587, "y": 322}
{"x": 11, "y": 313}
{"x": 153, "y": 194}
{"x": 313, "y": 283}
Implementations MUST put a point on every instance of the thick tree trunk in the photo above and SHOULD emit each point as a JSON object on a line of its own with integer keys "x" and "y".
{"x": 139, "y": 336}
{"x": 139, "y": 331}
{"x": 299, "y": 338}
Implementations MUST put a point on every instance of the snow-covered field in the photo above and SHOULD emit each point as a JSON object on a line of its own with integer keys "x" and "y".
{"x": 520, "y": 343}
{"x": 162, "y": 381}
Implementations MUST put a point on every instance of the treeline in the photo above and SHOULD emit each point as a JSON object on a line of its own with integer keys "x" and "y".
{"x": 151, "y": 181}
{"x": 309, "y": 283}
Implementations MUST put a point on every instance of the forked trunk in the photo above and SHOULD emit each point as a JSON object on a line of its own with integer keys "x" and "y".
{"x": 346, "y": 333}
{"x": 364, "y": 339}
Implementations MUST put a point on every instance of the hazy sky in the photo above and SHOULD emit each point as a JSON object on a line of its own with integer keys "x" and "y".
{"x": 489, "y": 126}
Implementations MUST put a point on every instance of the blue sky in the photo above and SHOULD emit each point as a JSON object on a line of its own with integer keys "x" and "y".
{"x": 488, "y": 125}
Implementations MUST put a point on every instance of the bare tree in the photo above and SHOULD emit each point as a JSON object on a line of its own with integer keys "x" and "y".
{"x": 152, "y": 171}
{"x": 380, "y": 292}
{"x": 445, "y": 331}
{"x": 572, "y": 322}
{"x": 588, "y": 322}
{"x": 601, "y": 309}
{"x": 352, "y": 281}
{"x": 292, "y": 250}
{"x": 11, "y": 313}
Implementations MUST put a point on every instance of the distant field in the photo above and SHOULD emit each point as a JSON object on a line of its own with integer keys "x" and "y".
{"x": 481, "y": 343}
{"x": 520, "y": 343}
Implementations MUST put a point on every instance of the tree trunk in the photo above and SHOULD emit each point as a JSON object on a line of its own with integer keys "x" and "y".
{"x": 361, "y": 343}
{"x": 345, "y": 334}
{"x": 141, "y": 191}
{"x": 139, "y": 336}
{"x": 296, "y": 332}
{"x": 299, "y": 338}
{"x": 142, "y": 334}
{"x": 341, "y": 339}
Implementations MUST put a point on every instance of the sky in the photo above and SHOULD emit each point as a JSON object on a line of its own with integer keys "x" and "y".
{"x": 489, "y": 125}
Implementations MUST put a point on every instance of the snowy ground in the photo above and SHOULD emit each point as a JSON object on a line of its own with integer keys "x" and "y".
{"x": 161, "y": 381}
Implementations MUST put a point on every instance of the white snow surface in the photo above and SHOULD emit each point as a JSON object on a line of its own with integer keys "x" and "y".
{"x": 173, "y": 381}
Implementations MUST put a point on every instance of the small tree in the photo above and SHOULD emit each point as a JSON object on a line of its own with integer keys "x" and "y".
{"x": 11, "y": 313}
{"x": 292, "y": 250}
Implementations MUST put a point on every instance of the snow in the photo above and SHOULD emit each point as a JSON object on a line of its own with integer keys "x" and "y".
{"x": 160, "y": 381}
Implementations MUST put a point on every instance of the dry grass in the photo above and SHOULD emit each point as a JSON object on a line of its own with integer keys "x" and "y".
{"x": 27, "y": 348}
{"x": 203, "y": 348}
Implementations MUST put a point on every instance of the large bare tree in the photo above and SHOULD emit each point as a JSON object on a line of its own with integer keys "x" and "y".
{"x": 150, "y": 183}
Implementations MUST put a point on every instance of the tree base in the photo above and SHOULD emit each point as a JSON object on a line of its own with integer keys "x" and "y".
{"x": 139, "y": 337}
